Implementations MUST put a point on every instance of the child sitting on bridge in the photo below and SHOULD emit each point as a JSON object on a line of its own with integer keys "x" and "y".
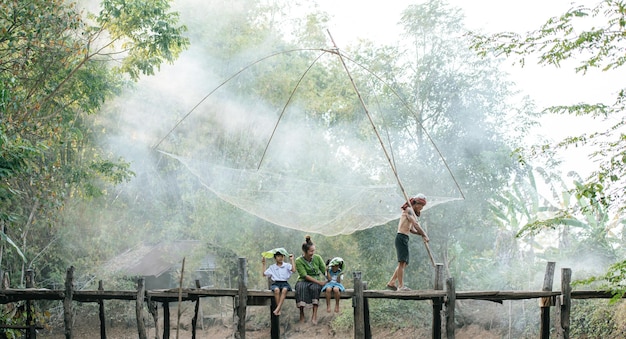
{"x": 334, "y": 269}
{"x": 279, "y": 272}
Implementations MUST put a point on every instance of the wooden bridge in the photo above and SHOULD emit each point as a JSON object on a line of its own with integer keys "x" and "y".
{"x": 443, "y": 302}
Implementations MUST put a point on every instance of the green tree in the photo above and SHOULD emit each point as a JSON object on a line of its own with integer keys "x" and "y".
{"x": 568, "y": 37}
{"x": 57, "y": 68}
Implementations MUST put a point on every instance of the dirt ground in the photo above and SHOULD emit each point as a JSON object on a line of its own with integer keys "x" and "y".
{"x": 257, "y": 327}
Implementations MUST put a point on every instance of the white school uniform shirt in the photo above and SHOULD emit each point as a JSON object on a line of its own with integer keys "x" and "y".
{"x": 279, "y": 273}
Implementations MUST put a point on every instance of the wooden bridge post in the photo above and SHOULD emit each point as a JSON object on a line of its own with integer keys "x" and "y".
{"x": 67, "y": 302}
{"x": 274, "y": 319}
{"x": 357, "y": 304}
{"x": 166, "y": 320}
{"x": 565, "y": 304}
{"x": 103, "y": 331}
{"x": 450, "y": 303}
{"x": 366, "y": 315}
{"x": 437, "y": 302}
{"x": 30, "y": 283}
{"x": 141, "y": 292}
{"x": 242, "y": 299}
{"x": 194, "y": 321}
{"x": 546, "y": 302}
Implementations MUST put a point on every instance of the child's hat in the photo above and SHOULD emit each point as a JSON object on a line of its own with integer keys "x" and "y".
{"x": 335, "y": 261}
{"x": 271, "y": 253}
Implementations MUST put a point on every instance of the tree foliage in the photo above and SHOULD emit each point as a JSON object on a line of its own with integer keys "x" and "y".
{"x": 594, "y": 38}
{"x": 56, "y": 69}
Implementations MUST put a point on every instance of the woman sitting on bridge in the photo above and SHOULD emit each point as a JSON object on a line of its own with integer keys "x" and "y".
{"x": 310, "y": 268}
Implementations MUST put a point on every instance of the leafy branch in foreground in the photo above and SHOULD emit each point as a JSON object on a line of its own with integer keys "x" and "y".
{"x": 612, "y": 281}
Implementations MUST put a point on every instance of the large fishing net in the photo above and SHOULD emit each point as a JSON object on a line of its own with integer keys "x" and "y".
{"x": 327, "y": 147}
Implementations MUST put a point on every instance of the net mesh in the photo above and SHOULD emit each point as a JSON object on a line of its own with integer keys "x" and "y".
{"x": 314, "y": 172}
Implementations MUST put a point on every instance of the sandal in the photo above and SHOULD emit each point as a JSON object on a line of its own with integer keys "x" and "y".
{"x": 393, "y": 288}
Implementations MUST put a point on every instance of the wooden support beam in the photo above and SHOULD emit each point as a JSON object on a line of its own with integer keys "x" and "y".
{"x": 437, "y": 302}
{"x": 141, "y": 326}
{"x": 450, "y": 303}
{"x": 166, "y": 320}
{"x": 194, "y": 321}
{"x": 366, "y": 315}
{"x": 242, "y": 298}
{"x": 68, "y": 312}
{"x": 103, "y": 331}
{"x": 546, "y": 302}
{"x": 565, "y": 303}
{"x": 31, "y": 333}
{"x": 357, "y": 304}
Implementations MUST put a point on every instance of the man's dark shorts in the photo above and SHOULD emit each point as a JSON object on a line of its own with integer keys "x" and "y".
{"x": 402, "y": 247}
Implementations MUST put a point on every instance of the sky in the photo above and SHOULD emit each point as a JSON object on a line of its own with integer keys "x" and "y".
{"x": 547, "y": 86}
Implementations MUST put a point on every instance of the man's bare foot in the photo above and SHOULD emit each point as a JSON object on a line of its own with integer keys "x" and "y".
{"x": 336, "y": 309}
{"x": 314, "y": 321}
{"x": 276, "y": 311}
{"x": 328, "y": 309}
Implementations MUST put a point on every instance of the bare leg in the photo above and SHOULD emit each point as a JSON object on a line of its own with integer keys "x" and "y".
{"x": 328, "y": 291}
{"x": 301, "y": 314}
{"x": 314, "y": 317}
{"x": 337, "y": 297}
{"x": 277, "y": 298}
{"x": 392, "y": 281}
{"x": 279, "y": 304}
{"x": 400, "y": 273}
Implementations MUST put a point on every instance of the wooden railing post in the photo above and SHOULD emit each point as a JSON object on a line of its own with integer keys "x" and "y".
{"x": 565, "y": 303}
{"x": 31, "y": 333}
{"x": 242, "y": 299}
{"x": 141, "y": 292}
{"x": 546, "y": 302}
{"x": 67, "y": 302}
{"x": 194, "y": 321}
{"x": 366, "y": 315}
{"x": 357, "y": 304}
{"x": 274, "y": 319}
{"x": 437, "y": 302}
{"x": 451, "y": 294}
{"x": 103, "y": 332}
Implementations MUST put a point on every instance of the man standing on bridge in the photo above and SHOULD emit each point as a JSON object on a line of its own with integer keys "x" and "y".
{"x": 407, "y": 224}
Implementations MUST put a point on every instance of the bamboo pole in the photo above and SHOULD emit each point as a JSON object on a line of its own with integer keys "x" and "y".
{"x": 380, "y": 140}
